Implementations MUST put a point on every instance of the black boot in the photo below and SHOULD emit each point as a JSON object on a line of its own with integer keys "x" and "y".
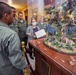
{"x": 31, "y": 57}
{"x": 30, "y": 54}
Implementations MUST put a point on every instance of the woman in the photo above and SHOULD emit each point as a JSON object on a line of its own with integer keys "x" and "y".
{"x": 31, "y": 33}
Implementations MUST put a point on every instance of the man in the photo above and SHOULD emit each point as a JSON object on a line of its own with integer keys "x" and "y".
{"x": 11, "y": 60}
{"x": 22, "y": 25}
{"x": 14, "y": 24}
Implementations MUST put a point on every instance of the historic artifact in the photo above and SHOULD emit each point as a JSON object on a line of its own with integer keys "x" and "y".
{"x": 64, "y": 40}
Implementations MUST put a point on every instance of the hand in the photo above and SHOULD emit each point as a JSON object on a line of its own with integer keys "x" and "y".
{"x": 28, "y": 66}
{"x": 34, "y": 36}
{"x": 29, "y": 34}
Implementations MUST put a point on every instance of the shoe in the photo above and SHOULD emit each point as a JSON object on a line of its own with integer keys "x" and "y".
{"x": 28, "y": 51}
{"x": 31, "y": 57}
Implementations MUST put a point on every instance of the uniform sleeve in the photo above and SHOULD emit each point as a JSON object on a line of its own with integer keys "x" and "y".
{"x": 26, "y": 23}
{"x": 28, "y": 30}
{"x": 15, "y": 54}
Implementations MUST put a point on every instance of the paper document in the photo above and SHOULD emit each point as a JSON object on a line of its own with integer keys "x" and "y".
{"x": 40, "y": 33}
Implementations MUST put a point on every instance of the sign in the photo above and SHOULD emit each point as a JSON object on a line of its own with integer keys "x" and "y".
{"x": 40, "y": 33}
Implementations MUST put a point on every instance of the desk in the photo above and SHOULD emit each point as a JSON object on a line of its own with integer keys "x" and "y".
{"x": 50, "y": 62}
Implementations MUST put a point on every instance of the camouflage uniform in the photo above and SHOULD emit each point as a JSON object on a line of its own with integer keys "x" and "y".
{"x": 14, "y": 26}
{"x": 11, "y": 58}
{"x": 22, "y": 30}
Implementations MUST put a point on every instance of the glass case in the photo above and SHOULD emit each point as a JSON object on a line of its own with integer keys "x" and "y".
{"x": 64, "y": 40}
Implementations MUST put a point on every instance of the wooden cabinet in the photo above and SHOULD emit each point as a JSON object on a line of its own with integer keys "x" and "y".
{"x": 50, "y": 62}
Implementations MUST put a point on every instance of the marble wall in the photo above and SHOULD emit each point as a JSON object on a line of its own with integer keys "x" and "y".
{"x": 35, "y": 8}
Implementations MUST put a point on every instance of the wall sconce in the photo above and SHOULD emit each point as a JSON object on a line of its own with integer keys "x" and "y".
{"x": 10, "y": 1}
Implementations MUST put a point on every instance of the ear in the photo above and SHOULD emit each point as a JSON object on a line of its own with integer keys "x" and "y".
{"x": 6, "y": 16}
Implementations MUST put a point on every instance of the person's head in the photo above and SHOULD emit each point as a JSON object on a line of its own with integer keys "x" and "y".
{"x": 33, "y": 18}
{"x": 42, "y": 19}
{"x": 6, "y": 14}
{"x": 20, "y": 15}
{"x": 33, "y": 21}
{"x": 14, "y": 11}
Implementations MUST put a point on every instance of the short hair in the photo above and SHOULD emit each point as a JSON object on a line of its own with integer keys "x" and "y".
{"x": 33, "y": 18}
{"x": 13, "y": 8}
{"x": 20, "y": 13}
{"x": 4, "y": 8}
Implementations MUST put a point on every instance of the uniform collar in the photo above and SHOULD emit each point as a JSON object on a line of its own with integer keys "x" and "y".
{"x": 20, "y": 21}
{"x": 3, "y": 24}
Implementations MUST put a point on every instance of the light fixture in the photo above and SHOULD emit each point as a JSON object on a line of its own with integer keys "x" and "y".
{"x": 10, "y": 1}
{"x": 34, "y": 13}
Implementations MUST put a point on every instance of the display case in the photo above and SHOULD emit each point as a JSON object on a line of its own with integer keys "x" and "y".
{"x": 56, "y": 54}
{"x": 48, "y": 61}
{"x": 62, "y": 20}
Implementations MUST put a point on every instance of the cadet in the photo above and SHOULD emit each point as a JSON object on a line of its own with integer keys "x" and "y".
{"x": 22, "y": 25}
{"x": 11, "y": 60}
{"x": 14, "y": 24}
